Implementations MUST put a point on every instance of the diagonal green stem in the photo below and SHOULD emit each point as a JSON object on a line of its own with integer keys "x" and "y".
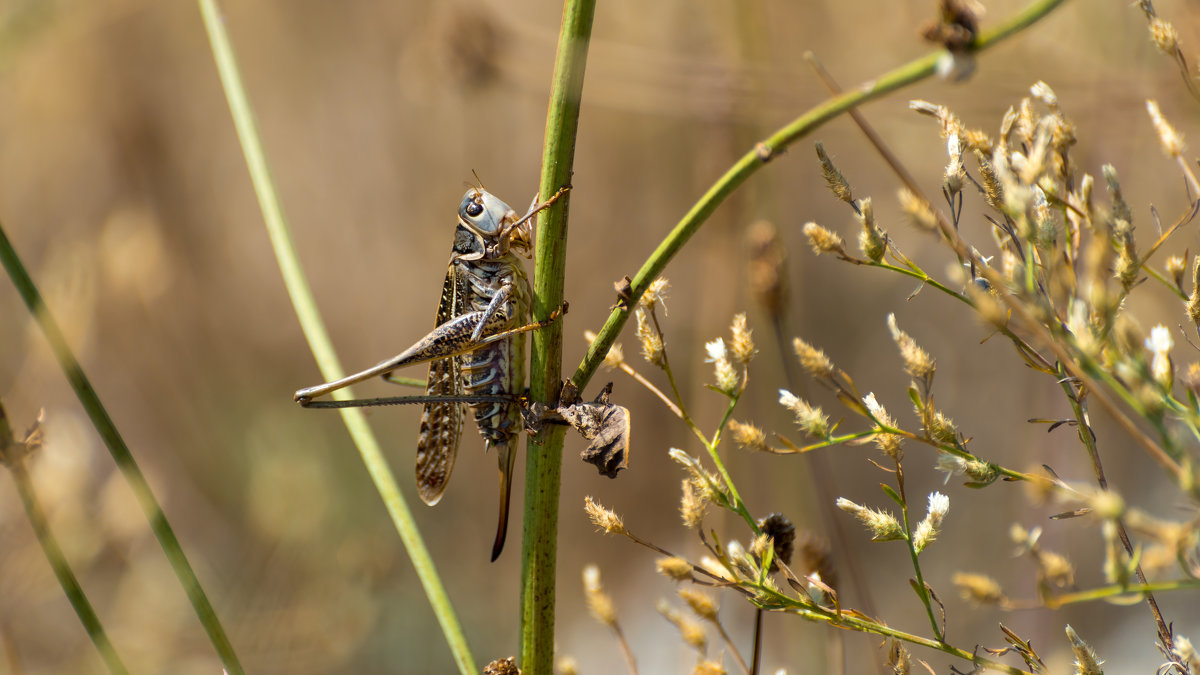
{"x": 318, "y": 338}
{"x": 120, "y": 454}
{"x": 763, "y": 152}
{"x": 54, "y": 554}
{"x": 543, "y": 464}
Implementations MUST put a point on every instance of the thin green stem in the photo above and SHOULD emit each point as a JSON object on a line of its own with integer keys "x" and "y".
{"x": 922, "y": 589}
{"x": 318, "y": 338}
{"x": 62, "y": 570}
{"x": 766, "y": 150}
{"x": 120, "y": 454}
{"x": 543, "y": 464}
{"x": 1116, "y": 591}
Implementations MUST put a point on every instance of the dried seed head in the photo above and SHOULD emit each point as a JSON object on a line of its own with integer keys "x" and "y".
{"x": 726, "y": 376}
{"x": 1172, "y": 142}
{"x": 1107, "y": 504}
{"x": 566, "y": 665}
{"x": 889, "y": 443}
{"x": 707, "y": 667}
{"x": 820, "y": 367}
{"x": 823, "y": 240}
{"x": 768, "y": 267}
{"x": 1160, "y": 343}
{"x": 882, "y": 525}
{"x": 928, "y": 528}
{"x": 992, "y": 190}
{"x": 505, "y": 666}
{"x": 919, "y": 212}
{"x": 977, "y": 140}
{"x": 656, "y": 293}
{"x": 1193, "y": 303}
{"x": 950, "y": 125}
{"x": 1186, "y": 652}
{"x": 1175, "y": 267}
{"x": 952, "y": 181}
{"x": 974, "y": 469}
{"x": 1120, "y": 210}
{"x": 674, "y": 568}
{"x": 690, "y": 630}
{"x": 600, "y": 604}
{"x": 917, "y": 362}
{"x": 809, "y": 418}
{"x": 979, "y": 589}
{"x": 653, "y": 349}
{"x": 748, "y": 436}
{"x": 1127, "y": 265}
{"x": 1164, "y": 36}
{"x": 693, "y": 504}
{"x": 1042, "y": 92}
{"x": 701, "y": 604}
{"x": 603, "y": 518}
{"x": 1086, "y": 662}
{"x": 834, "y": 179}
{"x": 741, "y": 343}
{"x": 615, "y": 356}
{"x": 1056, "y": 569}
{"x": 941, "y": 429}
{"x": 782, "y": 535}
{"x": 871, "y": 241}
{"x": 898, "y": 659}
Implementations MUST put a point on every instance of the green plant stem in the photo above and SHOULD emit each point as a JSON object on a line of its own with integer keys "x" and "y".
{"x": 763, "y": 152}
{"x": 543, "y": 463}
{"x": 318, "y": 338}
{"x": 1116, "y": 591}
{"x": 921, "y": 589}
{"x": 120, "y": 454}
{"x": 62, "y": 570}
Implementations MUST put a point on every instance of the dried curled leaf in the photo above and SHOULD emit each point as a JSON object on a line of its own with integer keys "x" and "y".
{"x": 603, "y": 424}
{"x": 606, "y": 427}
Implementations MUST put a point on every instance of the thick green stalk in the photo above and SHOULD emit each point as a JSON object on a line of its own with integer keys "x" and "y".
{"x": 543, "y": 463}
{"x": 319, "y": 342}
{"x": 763, "y": 152}
{"x": 120, "y": 454}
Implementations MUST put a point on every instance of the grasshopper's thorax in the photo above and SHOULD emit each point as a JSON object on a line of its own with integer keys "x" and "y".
{"x": 485, "y": 264}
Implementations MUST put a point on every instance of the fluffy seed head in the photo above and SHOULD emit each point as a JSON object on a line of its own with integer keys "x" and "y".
{"x": 600, "y": 604}
{"x": 1086, "y": 662}
{"x": 742, "y": 342}
{"x": 979, "y": 589}
{"x": 882, "y": 525}
{"x": 1172, "y": 142}
{"x": 824, "y": 241}
{"x": 917, "y": 362}
{"x": 603, "y": 518}
{"x": 809, "y": 418}
{"x": 834, "y": 179}
{"x": 674, "y": 568}
{"x": 653, "y": 349}
{"x": 820, "y": 367}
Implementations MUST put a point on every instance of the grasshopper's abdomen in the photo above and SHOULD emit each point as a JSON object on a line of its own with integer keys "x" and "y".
{"x": 498, "y": 368}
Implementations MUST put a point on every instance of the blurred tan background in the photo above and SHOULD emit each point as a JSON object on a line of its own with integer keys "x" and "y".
{"x": 123, "y": 187}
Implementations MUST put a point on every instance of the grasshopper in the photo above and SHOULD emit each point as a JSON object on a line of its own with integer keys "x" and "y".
{"x": 476, "y": 351}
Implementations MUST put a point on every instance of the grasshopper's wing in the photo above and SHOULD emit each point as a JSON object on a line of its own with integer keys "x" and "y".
{"x": 441, "y": 422}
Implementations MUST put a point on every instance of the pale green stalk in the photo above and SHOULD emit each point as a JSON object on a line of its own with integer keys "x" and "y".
{"x": 318, "y": 338}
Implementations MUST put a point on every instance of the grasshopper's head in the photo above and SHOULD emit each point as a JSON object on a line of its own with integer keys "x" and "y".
{"x": 493, "y": 221}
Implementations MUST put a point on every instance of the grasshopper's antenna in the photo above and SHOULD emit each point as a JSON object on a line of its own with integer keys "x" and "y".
{"x": 478, "y": 181}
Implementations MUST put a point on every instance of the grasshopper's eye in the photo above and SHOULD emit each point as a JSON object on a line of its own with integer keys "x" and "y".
{"x": 474, "y": 209}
